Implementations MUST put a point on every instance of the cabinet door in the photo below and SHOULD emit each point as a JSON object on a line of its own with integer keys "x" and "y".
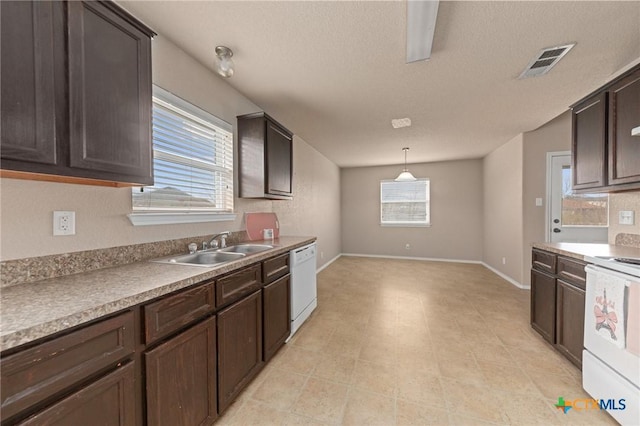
{"x": 28, "y": 128}
{"x": 277, "y": 316}
{"x": 108, "y": 401}
{"x": 181, "y": 378}
{"x": 588, "y": 151}
{"x": 543, "y": 304}
{"x": 279, "y": 161}
{"x": 570, "y": 321}
{"x": 624, "y": 115}
{"x": 239, "y": 347}
{"x": 109, "y": 94}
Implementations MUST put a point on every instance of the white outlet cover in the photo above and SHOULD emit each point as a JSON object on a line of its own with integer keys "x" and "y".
{"x": 64, "y": 223}
{"x": 626, "y": 217}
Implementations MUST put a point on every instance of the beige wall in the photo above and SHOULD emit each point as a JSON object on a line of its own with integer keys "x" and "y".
{"x": 456, "y": 212}
{"x": 623, "y": 201}
{"x": 503, "y": 218}
{"x": 26, "y": 210}
{"x": 551, "y": 137}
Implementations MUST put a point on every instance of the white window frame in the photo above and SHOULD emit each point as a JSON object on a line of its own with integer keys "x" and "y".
{"x": 142, "y": 217}
{"x": 407, "y": 224}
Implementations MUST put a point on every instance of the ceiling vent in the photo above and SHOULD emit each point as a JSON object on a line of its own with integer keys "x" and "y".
{"x": 545, "y": 60}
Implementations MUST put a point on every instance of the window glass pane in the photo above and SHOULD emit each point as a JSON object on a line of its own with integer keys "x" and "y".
{"x": 193, "y": 160}
{"x": 582, "y": 209}
{"x": 404, "y": 212}
{"x": 404, "y": 203}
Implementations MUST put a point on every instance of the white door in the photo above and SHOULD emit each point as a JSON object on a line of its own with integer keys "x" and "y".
{"x": 574, "y": 218}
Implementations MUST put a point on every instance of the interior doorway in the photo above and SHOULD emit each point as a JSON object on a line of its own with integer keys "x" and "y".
{"x": 573, "y": 218}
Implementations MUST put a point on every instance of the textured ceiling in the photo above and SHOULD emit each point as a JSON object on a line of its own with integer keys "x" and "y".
{"x": 334, "y": 72}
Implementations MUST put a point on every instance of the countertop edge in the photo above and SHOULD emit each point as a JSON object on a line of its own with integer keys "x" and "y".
{"x": 581, "y": 250}
{"x": 19, "y": 336}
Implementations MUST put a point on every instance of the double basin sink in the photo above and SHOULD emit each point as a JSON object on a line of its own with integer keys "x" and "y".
{"x": 214, "y": 257}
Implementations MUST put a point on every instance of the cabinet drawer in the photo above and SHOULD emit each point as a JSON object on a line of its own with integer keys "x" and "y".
{"x": 572, "y": 271}
{"x": 35, "y": 374}
{"x": 275, "y": 268}
{"x": 110, "y": 399}
{"x": 239, "y": 284}
{"x": 172, "y": 313}
{"x": 544, "y": 261}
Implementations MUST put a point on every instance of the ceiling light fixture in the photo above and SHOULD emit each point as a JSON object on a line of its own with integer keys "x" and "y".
{"x": 224, "y": 63}
{"x": 406, "y": 175}
{"x": 421, "y": 26}
{"x": 397, "y": 123}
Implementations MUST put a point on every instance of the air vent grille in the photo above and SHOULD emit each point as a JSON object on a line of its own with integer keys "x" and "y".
{"x": 545, "y": 60}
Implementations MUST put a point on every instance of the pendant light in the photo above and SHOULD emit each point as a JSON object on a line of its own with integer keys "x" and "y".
{"x": 406, "y": 175}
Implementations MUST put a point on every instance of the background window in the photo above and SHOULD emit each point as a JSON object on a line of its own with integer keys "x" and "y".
{"x": 192, "y": 160}
{"x": 404, "y": 203}
{"x": 582, "y": 209}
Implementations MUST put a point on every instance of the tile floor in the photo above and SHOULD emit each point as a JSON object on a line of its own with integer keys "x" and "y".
{"x": 400, "y": 342}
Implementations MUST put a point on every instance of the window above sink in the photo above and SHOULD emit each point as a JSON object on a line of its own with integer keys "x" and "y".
{"x": 193, "y": 166}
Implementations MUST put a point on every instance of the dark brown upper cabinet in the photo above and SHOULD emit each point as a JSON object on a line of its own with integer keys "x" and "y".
{"x": 76, "y": 93}
{"x": 265, "y": 150}
{"x": 604, "y": 153}
{"x": 624, "y": 115}
{"x": 30, "y": 72}
{"x": 589, "y": 145}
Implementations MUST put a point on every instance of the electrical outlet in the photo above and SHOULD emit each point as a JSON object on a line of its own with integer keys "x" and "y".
{"x": 408, "y": 246}
{"x": 504, "y": 260}
{"x": 64, "y": 223}
{"x": 626, "y": 217}
{"x": 321, "y": 255}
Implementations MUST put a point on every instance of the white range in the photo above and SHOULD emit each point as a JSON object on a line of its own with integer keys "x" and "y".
{"x": 611, "y": 356}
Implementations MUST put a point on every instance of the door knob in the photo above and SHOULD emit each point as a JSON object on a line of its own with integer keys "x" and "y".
{"x": 556, "y": 220}
{"x": 556, "y": 230}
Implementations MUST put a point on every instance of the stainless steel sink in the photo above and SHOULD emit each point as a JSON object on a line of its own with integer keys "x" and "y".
{"x": 214, "y": 257}
{"x": 202, "y": 258}
{"x": 246, "y": 248}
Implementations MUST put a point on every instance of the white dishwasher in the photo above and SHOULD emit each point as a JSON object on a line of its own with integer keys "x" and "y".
{"x": 304, "y": 294}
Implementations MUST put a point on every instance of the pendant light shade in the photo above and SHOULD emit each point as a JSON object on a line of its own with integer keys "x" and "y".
{"x": 406, "y": 175}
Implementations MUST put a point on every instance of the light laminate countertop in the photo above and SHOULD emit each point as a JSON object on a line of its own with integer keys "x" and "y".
{"x": 580, "y": 250}
{"x": 38, "y": 309}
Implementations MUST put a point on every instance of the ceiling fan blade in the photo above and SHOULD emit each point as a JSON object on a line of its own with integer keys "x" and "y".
{"x": 421, "y": 25}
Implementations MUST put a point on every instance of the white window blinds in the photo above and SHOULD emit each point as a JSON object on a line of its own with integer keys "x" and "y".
{"x": 192, "y": 160}
{"x": 404, "y": 203}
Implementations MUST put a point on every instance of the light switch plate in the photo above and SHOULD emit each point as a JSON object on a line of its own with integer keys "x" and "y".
{"x": 538, "y": 202}
{"x": 626, "y": 217}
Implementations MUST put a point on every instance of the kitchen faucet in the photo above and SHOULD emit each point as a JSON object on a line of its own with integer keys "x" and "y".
{"x": 213, "y": 243}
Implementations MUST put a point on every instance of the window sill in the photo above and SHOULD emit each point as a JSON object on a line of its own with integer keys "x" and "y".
{"x": 146, "y": 219}
{"x": 406, "y": 225}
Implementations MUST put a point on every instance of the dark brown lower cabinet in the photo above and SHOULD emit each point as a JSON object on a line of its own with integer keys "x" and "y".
{"x": 239, "y": 347}
{"x": 181, "y": 378}
{"x": 570, "y": 321}
{"x": 277, "y": 317}
{"x": 543, "y": 304}
{"x": 108, "y": 401}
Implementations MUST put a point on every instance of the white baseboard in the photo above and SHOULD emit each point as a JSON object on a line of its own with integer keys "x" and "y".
{"x": 506, "y": 277}
{"x": 430, "y": 259}
{"x": 328, "y": 263}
